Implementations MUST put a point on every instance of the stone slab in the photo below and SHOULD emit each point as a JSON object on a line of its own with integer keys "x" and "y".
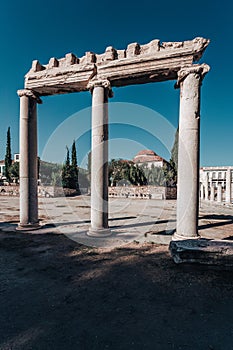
{"x": 202, "y": 251}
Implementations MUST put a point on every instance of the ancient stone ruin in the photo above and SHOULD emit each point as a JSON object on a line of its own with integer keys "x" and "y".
{"x": 98, "y": 73}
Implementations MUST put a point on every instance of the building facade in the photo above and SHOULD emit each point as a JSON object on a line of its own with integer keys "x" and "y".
{"x": 216, "y": 183}
{"x": 2, "y": 165}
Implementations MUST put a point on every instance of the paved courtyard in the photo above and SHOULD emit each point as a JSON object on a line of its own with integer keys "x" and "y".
{"x": 129, "y": 219}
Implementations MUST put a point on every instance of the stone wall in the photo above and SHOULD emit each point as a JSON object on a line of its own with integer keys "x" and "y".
{"x": 9, "y": 190}
{"x": 143, "y": 192}
{"x": 43, "y": 191}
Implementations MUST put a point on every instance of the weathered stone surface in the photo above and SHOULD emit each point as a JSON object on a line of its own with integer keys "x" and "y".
{"x": 28, "y": 160}
{"x": 137, "y": 64}
{"x": 188, "y": 166}
{"x": 202, "y": 251}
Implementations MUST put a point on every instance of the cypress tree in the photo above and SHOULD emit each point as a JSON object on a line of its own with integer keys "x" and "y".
{"x": 74, "y": 156}
{"x": 67, "y": 157}
{"x": 8, "y": 157}
{"x": 70, "y": 170}
{"x": 66, "y": 170}
{"x": 174, "y": 151}
{"x": 74, "y": 168}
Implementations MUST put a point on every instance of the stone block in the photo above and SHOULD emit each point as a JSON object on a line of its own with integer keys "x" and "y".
{"x": 71, "y": 59}
{"x": 36, "y": 66}
{"x": 202, "y": 251}
{"x": 53, "y": 62}
{"x": 133, "y": 50}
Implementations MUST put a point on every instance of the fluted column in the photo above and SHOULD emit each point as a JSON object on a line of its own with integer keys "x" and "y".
{"x": 28, "y": 160}
{"x": 228, "y": 186}
{"x": 99, "y": 159}
{"x": 189, "y": 80}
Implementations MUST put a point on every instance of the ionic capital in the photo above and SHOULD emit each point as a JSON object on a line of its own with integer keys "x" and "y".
{"x": 29, "y": 93}
{"x": 198, "y": 69}
{"x": 102, "y": 83}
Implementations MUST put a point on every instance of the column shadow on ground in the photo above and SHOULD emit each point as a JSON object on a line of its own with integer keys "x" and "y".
{"x": 226, "y": 220}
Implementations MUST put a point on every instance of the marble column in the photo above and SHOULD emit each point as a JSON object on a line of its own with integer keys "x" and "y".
{"x": 228, "y": 186}
{"x": 189, "y": 81}
{"x": 99, "y": 159}
{"x": 28, "y": 160}
{"x": 219, "y": 193}
{"x": 212, "y": 193}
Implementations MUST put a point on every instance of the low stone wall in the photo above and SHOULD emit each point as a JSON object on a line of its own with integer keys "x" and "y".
{"x": 143, "y": 192}
{"x": 9, "y": 190}
{"x": 43, "y": 191}
{"x": 54, "y": 191}
{"x": 140, "y": 192}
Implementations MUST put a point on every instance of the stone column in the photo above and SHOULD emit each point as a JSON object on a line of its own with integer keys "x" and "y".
{"x": 219, "y": 193}
{"x": 28, "y": 160}
{"x": 228, "y": 186}
{"x": 189, "y": 80}
{"x": 202, "y": 191}
{"x": 99, "y": 159}
{"x": 212, "y": 193}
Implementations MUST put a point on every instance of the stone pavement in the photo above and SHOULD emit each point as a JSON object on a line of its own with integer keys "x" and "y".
{"x": 129, "y": 220}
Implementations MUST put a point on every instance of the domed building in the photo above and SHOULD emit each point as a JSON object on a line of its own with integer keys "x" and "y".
{"x": 148, "y": 158}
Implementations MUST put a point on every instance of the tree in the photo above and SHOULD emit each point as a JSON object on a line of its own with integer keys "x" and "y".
{"x": 8, "y": 157}
{"x": 48, "y": 172}
{"x": 170, "y": 173}
{"x": 126, "y": 172}
{"x": 170, "y": 170}
{"x": 14, "y": 171}
{"x": 174, "y": 151}
{"x": 74, "y": 156}
{"x": 66, "y": 170}
{"x": 74, "y": 168}
{"x": 70, "y": 170}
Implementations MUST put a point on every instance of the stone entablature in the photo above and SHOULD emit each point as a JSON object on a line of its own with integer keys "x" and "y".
{"x": 137, "y": 64}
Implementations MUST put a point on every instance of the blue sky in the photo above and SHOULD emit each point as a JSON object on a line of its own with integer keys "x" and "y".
{"x": 31, "y": 30}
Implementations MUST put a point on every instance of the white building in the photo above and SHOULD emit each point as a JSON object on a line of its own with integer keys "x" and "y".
{"x": 2, "y": 168}
{"x": 216, "y": 183}
{"x": 2, "y": 164}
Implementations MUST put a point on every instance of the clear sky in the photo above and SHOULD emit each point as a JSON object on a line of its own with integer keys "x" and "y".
{"x": 40, "y": 30}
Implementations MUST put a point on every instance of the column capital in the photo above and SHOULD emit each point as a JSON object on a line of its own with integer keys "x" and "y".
{"x": 105, "y": 83}
{"x": 199, "y": 69}
{"x": 29, "y": 93}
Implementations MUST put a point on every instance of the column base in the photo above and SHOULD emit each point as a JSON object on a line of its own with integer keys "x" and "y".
{"x": 177, "y": 237}
{"x": 104, "y": 232}
{"x": 28, "y": 227}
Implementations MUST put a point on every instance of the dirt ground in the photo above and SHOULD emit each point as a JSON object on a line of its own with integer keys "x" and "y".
{"x": 58, "y": 294}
